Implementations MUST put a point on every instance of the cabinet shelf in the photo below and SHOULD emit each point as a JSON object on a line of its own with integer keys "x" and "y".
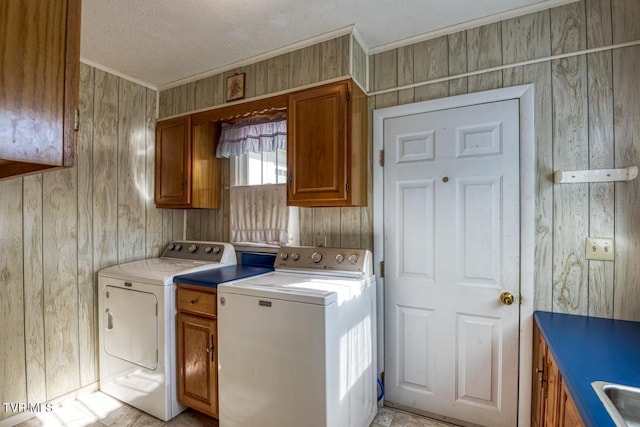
{"x": 595, "y": 175}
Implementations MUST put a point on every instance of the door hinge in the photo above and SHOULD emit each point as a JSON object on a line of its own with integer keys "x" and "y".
{"x": 381, "y": 268}
{"x": 382, "y": 157}
{"x": 520, "y": 299}
{"x": 348, "y": 95}
{"x": 76, "y": 119}
{"x": 348, "y": 187}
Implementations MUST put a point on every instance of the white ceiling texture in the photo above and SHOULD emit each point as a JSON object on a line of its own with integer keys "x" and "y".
{"x": 163, "y": 42}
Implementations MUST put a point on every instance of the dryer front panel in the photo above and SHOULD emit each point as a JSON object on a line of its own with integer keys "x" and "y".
{"x": 131, "y": 326}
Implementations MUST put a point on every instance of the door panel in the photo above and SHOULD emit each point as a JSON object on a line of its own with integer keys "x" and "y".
{"x": 451, "y": 220}
{"x": 131, "y": 326}
{"x": 478, "y": 230}
{"x": 414, "y": 346}
{"x": 415, "y": 205}
{"x": 478, "y": 360}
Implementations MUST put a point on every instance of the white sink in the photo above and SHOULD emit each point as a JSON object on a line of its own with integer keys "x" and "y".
{"x": 621, "y": 401}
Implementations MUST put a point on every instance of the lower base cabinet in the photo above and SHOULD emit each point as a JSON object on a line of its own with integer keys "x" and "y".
{"x": 552, "y": 405}
{"x": 197, "y": 349}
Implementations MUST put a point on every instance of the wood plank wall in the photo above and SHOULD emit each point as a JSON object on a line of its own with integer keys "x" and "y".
{"x": 587, "y": 116}
{"x": 359, "y": 63}
{"x": 59, "y": 228}
{"x": 343, "y": 227}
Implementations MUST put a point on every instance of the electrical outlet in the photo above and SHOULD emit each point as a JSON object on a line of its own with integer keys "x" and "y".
{"x": 600, "y": 248}
{"x": 321, "y": 240}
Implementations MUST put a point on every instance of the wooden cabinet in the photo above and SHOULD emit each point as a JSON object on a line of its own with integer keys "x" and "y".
{"x": 187, "y": 170}
{"x": 327, "y": 150}
{"x": 552, "y": 405}
{"x": 39, "y": 65}
{"x": 327, "y": 146}
{"x": 197, "y": 349}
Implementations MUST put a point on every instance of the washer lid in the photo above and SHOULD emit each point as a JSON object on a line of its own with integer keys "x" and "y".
{"x": 158, "y": 271}
{"x": 305, "y": 288}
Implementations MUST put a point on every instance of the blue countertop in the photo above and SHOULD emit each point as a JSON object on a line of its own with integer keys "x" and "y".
{"x": 589, "y": 349}
{"x": 211, "y": 278}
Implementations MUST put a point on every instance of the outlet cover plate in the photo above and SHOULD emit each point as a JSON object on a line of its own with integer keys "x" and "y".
{"x": 600, "y": 248}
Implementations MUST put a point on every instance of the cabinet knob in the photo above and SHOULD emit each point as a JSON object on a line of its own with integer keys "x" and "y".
{"x": 195, "y": 300}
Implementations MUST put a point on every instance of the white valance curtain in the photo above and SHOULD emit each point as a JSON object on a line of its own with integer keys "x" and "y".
{"x": 259, "y": 213}
{"x": 257, "y": 135}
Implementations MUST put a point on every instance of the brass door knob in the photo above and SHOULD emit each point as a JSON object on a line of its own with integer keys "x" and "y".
{"x": 506, "y": 298}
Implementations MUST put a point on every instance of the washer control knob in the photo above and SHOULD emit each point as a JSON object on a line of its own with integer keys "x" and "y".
{"x": 216, "y": 249}
{"x": 295, "y": 256}
{"x": 353, "y": 259}
{"x": 178, "y": 247}
{"x": 339, "y": 258}
{"x": 208, "y": 249}
{"x": 284, "y": 255}
{"x": 193, "y": 248}
{"x": 170, "y": 247}
{"x": 316, "y": 257}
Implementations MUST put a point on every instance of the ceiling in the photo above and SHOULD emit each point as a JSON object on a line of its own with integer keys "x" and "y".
{"x": 161, "y": 42}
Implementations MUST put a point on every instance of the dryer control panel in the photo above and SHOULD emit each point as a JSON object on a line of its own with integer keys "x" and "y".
{"x": 199, "y": 251}
{"x": 321, "y": 259}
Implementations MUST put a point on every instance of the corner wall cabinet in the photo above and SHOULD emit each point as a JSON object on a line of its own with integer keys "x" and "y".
{"x": 40, "y": 69}
{"x": 197, "y": 349}
{"x": 187, "y": 170}
{"x": 552, "y": 405}
{"x": 327, "y": 146}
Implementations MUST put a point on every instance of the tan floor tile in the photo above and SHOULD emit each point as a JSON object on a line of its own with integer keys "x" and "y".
{"x": 191, "y": 418}
{"x": 404, "y": 419}
{"x": 384, "y": 417}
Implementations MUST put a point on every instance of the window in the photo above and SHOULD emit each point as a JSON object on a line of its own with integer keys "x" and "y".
{"x": 258, "y": 194}
{"x": 259, "y": 168}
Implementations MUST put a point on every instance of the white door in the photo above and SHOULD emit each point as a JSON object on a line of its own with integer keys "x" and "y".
{"x": 451, "y": 226}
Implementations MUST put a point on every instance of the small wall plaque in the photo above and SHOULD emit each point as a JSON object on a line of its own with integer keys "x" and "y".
{"x": 235, "y": 87}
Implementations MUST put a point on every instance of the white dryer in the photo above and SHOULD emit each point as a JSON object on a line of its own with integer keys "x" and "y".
{"x": 137, "y": 324}
{"x": 297, "y": 347}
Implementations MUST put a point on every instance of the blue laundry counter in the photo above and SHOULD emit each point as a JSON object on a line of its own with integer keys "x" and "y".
{"x": 589, "y": 349}
{"x": 212, "y": 278}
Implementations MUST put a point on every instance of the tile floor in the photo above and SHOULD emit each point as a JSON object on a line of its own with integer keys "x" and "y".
{"x": 99, "y": 410}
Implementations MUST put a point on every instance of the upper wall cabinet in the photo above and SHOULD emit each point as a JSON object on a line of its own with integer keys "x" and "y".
{"x": 327, "y": 146}
{"x": 39, "y": 69}
{"x": 187, "y": 171}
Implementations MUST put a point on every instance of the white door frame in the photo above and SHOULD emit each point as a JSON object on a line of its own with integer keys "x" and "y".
{"x": 525, "y": 95}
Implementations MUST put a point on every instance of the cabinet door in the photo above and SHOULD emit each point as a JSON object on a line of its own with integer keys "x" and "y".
{"x": 173, "y": 163}
{"x": 539, "y": 379}
{"x": 568, "y": 413}
{"x": 317, "y": 147}
{"x": 39, "y": 92}
{"x": 197, "y": 363}
{"x": 553, "y": 391}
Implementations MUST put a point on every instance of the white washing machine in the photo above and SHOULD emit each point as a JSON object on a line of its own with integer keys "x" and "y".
{"x": 297, "y": 347}
{"x": 137, "y": 324}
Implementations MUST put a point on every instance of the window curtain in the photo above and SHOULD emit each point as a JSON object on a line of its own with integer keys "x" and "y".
{"x": 259, "y": 213}
{"x": 256, "y": 135}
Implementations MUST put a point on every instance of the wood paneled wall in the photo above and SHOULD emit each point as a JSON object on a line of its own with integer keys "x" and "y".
{"x": 59, "y": 228}
{"x": 359, "y": 63}
{"x": 587, "y": 117}
{"x": 343, "y": 227}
